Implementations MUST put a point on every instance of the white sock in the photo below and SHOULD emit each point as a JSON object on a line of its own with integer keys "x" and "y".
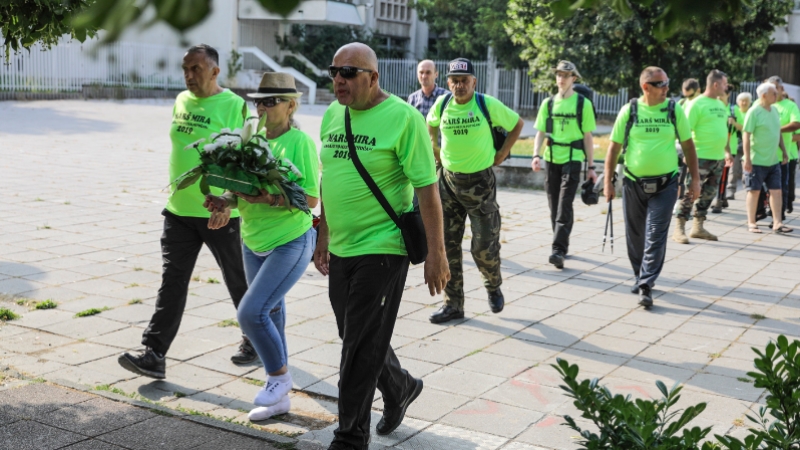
{"x": 265, "y": 412}
{"x": 285, "y": 378}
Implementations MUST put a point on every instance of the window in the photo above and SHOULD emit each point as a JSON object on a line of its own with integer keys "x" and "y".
{"x": 396, "y": 10}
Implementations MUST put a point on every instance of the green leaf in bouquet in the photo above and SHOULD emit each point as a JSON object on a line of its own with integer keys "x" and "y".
{"x": 274, "y": 175}
{"x": 188, "y": 179}
{"x": 295, "y": 195}
{"x": 234, "y": 179}
{"x": 262, "y": 122}
{"x": 204, "y": 185}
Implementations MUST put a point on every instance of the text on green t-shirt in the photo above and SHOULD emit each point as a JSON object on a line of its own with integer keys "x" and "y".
{"x": 264, "y": 227}
{"x": 195, "y": 118}
{"x": 467, "y": 145}
{"x": 395, "y": 148}
{"x": 708, "y": 119}
{"x": 651, "y": 146}
{"x": 565, "y": 127}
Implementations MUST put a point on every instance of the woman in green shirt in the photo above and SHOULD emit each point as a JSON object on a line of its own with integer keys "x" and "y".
{"x": 277, "y": 242}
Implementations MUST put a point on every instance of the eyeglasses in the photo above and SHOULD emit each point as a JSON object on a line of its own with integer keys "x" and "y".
{"x": 658, "y": 84}
{"x": 269, "y": 102}
{"x": 347, "y": 72}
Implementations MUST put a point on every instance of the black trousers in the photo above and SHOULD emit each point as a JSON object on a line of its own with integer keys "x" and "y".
{"x": 561, "y": 183}
{"x": 365, "y": 293}
{"x": 791, "y": 185}
{"x": 180, "y": 244}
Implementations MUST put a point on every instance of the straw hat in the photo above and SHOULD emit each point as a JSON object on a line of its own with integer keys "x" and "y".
{"x": 276, "y": 84}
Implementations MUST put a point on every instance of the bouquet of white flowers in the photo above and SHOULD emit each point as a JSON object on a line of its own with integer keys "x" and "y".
{"x": 241, "y": 161}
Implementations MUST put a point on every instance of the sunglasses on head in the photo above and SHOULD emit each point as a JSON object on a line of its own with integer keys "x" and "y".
{"x": 269, "y": 102}
{"x": 347, "y": 72}
{"x": 658, "y": 84}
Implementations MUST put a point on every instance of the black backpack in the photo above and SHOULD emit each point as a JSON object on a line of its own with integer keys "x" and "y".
{"x": 577, "y": 144}
{"x": 498, "y": 134}
{"x": 633, "y": 118}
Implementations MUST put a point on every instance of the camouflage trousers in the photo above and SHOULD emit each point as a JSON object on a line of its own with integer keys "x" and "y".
{"x": 710, "y": 174}
{"x": 473, "y": 195}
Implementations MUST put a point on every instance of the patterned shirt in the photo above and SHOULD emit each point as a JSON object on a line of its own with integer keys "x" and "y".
{"x": 423, "y": 103}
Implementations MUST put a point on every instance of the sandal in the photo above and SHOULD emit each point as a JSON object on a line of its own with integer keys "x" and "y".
{"x": 753, "y": 228}
{"x": 782, "y": 229}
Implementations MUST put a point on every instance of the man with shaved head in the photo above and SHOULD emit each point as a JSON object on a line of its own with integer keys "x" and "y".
{"x": 424, "y": 98}
{"x": 360, "y": 246}
{"x": 645, "y": 131}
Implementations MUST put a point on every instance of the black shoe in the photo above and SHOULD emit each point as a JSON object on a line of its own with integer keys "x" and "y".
{"x": 724, "y": 202}
{"x": 557, "y": 259}
{"x": 393, "y": 416}
{"x": 340, "y": 446}
{"x": 789, "y": 208}
{"x": 246, "y": 353}
{"x": 635, "y": 289}
{"x": 645, "y": 296}
{"x": 731, "y": 196}
{"x": 716, "y": 209}
{"x": 147, "y": 363}
{"x": 496, "y": 301}
{"x": 445, "y": 314}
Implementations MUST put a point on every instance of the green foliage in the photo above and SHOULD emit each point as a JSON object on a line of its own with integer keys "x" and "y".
{"x": 228, "y": 323}
{"x": 318, "y": 43}
{"x": 678, "y": 15}
{"x": 26, "y": 22}
{"x": 91, "y": 311}
{"x": 234, "y": 64}
{"x": 466, "y": 28}
{"x": 47, "y": 304}
{"x": 624, "y": 423}
{"x": 7, "y": 314}
{"x": 777, "y": 423}
{"x": 611, "y": 51}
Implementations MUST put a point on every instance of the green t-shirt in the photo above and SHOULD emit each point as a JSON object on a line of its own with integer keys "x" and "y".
{"x": 195, "y": 118}
{"x": 265, "y": 227}
{"x": 565, "y": 127}
{"x": 395, "y": 148}
{"x": 765, "y": 129}
{"x": 651, "y": 146}
{"x": 708, "y": 119}
{"x": 734, "y": 143}
{"x": 467, "y": 145}
{"x": 789, "y": 113}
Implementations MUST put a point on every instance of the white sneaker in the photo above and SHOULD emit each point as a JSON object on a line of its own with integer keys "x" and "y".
{"x": 273, "y": 392}
{"x": 265, "y": 412}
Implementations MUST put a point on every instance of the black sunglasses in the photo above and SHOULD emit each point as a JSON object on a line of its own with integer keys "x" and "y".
{"x": 269, "y": 102}
{"x": 346, "y": 72}
{"x": 658, "y": 84}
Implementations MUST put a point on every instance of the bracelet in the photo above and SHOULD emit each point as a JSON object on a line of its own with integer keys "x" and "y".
{"x": 537, "y": 156}
{"x": 591, "y": 167}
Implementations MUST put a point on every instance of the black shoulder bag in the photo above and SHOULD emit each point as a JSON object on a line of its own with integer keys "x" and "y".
{"x": 410, "y": 223}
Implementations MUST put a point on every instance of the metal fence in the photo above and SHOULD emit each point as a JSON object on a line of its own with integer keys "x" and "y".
{"x": 70, "y": 65}
{"x": 513, "y": 87}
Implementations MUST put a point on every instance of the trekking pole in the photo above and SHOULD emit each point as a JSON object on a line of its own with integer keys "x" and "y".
{"x": 608, "y": 223}
{"x": 611, "y": 224}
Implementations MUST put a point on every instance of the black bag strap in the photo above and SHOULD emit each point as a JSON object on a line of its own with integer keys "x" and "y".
{"x": 549, "y": 123}
{"x": 579, "y": 112}
{"x": 481, "y": 100}
{"x": 443, "y": 105}
{"x": 633, "y": 117}
{"x": 363, "y": 171}
{"x": 673, "y": 118}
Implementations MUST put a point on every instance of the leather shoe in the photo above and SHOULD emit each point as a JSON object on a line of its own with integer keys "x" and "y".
{"x": 496, "y": 301}
{"x": 393, "y": 416}
{"x": 445, "y": 314}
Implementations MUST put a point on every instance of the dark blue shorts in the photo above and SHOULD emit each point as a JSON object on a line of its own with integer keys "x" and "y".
{"x": 761, "y": 175}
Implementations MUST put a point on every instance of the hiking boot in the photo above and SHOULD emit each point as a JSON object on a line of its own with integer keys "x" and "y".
{"x": 645, "y": 296}
{"x": 496, "y": 301}
{"x": 699, "y": 232}
{"x": 716, "y": 209}
{"x": 635, "y": 289}
{"x": 393, "y": 416}
{"x": 445, "y": 314}
{"x": 725, "y": 203}
{"x": 731, "y": 196}
{"x": 557, "y": 259}
{"x": 679, "y": 235}
{"x": 146, "y": 363}
{"x": 246, "y": 353}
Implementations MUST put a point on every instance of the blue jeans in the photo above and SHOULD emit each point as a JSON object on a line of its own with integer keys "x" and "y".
{"x": 647, "y": 218}
{"x": 262, "y": 312}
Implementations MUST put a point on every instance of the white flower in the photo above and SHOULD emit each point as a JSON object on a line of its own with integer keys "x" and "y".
{"x": 248, "y": 130}
{"x": 194, "y": 144}
{"x": 288, "y": 163}
{"x": 211, "y": 147}
{"x": 228, "y": 140}
{"x": 213, "y": 136}
{"x": 225, "y": 130}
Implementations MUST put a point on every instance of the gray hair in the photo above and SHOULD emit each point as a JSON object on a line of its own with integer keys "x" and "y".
{"x": 764, "y": 88}
{"x": 774, "y": 79}
{"x": 744, "y": 95}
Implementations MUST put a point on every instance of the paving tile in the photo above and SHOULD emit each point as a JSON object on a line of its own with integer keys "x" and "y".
{"x": 161, "y": 432}
{"x": 33, "y": 341}
{"x": 84, "y": 327}
{"x": 95, "y": 417}
{"x": 93, "y": 444}
{"x": 440, "y": 436}
{"x": 550, "y": 433}
{"x": 34, "y": 400}
{"x": 28, "y": 435}
{"x": 492, "y": 364}
{"x": 78, "y": 353}
{"x": 327, "y": 354}
{"x": 432, "y": 404}
{"x": 492, "y": 417}
{"x": 433, "y": 352}
{"x": 461, "y": 382}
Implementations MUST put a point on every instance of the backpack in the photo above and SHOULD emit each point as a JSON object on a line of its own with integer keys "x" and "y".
{"x": 633, "y": 118}
{"x": 577, "y": 144}
{"x": 498, "y": 134}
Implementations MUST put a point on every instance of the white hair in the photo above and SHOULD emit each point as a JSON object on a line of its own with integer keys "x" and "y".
{"x": 764, "y": 88}
{"x": 744, "y": 95}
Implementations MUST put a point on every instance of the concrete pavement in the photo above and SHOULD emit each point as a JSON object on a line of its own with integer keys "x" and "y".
{"x": 83, "y": 193}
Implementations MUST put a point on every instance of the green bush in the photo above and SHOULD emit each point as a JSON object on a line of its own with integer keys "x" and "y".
{"x": 777, "y": 423}
{"x": 624, "y": 423}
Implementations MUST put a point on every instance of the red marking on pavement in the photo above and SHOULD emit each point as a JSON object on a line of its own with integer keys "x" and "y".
{"x": 531, "y": 375}
{"x": 534, "y": 389}
{"x": 548, "y": 422}
{"x": 638, "y": 389}
{"x": 492, "y": 408}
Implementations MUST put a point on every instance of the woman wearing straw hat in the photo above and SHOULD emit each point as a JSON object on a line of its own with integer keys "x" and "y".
{"x": 277, "y": 243}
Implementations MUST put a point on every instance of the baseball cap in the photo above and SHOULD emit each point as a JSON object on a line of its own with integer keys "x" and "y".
{"x": 460, "y": 66}
{"x": 566, "y": 66}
